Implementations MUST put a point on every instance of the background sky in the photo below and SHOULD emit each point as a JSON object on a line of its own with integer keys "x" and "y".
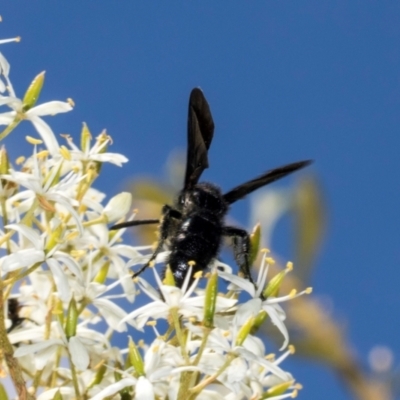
{"x": 286, "y": 80}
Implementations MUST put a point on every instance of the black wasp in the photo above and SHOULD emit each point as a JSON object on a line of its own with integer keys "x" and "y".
{"x": 193, "y": 228}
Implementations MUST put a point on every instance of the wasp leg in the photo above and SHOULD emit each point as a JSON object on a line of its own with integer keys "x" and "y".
{"x": 241, "y": 249}
{"x": 165, "y": 227}
{"x": 127, "y": 224}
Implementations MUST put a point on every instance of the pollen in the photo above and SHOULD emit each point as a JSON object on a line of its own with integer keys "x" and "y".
{"x": 293, "y": 293}
{"x": 270, "y": 261}
{"x": 20, "y": 160}
{"x": 42, "y": 154}
{"x": 292, "y": 349}
{"x": 70, "y": 102}
{"x": 77, "y": 254}
{"x": 289, "y": 266}
{"x": 198, "y": 275}
{"x": 33, "y": 140}
{"x": 309, "y": 290}
{"x": 270, "y": 357}
{"x": 151, "y": 323}
{"x": 298, "y": 386}
{"x": 192, "y": 263}
{"x": 266, "y": 251}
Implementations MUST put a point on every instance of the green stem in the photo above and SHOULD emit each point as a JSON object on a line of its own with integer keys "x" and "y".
{"x": 202, "y": 347}
{"x": 74, "y": 377}
{"x": 198, "y": 388}
{"x": 18, "y": 277}
{"x": 179, "y": 333}
{"x": 10, "y": 128}
{"x": 5, "y": 221}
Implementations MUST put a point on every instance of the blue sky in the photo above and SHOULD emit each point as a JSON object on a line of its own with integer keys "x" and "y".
{"x": 286, "y": 80}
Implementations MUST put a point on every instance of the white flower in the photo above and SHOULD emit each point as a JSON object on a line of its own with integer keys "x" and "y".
{"x": 34, "y": 115}
{"x": 173, "y": 298}
{"x": 271, "y": 305}
{"x": 106, "y": 247}
{"x": 80, "y": 346}
{"x": 95, "y": 153}
{"x": 37, "y": 253}
{"x": 160, "y": 362}
{"x": 110, "y": 311}
{"x": 45, "y": 189}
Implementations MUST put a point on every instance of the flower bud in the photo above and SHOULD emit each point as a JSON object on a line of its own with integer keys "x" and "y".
{"x": 136, "y": 358}
{"x": 210, "y": 300}
{"x": 86, "y": 137}
{"x": 118, "y": 206}
{"x": 278, "y": 389}
{"x": 244, "y": 331}
{"x": 169, "y": 277}
{"x": 274, "y": 285}
{"x": 72, "y": 319}
{"x": 255, "y": 238}
{"x": 33, "y": 92}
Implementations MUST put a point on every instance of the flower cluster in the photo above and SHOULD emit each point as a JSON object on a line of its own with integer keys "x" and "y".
{"x": 63, "y": 271}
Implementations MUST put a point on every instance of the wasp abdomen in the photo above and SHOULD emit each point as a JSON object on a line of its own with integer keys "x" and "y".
{"x": 197, "y": 239}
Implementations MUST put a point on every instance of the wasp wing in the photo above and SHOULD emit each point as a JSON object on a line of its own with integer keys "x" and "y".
{"x": 270, "y": 176}
{"x": 200, "y": 133}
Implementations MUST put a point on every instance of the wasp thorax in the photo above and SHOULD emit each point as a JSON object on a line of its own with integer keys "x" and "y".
{"x": 204, "y": 196}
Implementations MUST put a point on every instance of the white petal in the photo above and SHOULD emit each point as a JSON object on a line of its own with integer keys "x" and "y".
{"x": 114, "y": 388}
{"x": 247, "y": 310}
{"x": 49, "y": 108}
{"x": 4, "y": 65}
{"x": 60, "y": 279}
{"x": 118, "y": 206}
{"x": 29, "y": 233}
{"x": 111, "y": 313}
{"x": 276, "y": 319}
{"x": 10, "y": 100}
{"x": 113, "y": 158}
{"x": 42, "y": 357}
{"x": 69, "y": 392}
{"x": 144, "y": 389}
{"x": 46, "y": 134}
{"x": 21, "y": 259}
{"x": 127, "y": 251}
{"x": 79, "y": 354}
{"x": 7, "y": 117}
{"x": 57, "y": 197}
{"x": 242, "y": 283}
{"x": 70, "y": 263}
{"x": 33, "y": 348}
